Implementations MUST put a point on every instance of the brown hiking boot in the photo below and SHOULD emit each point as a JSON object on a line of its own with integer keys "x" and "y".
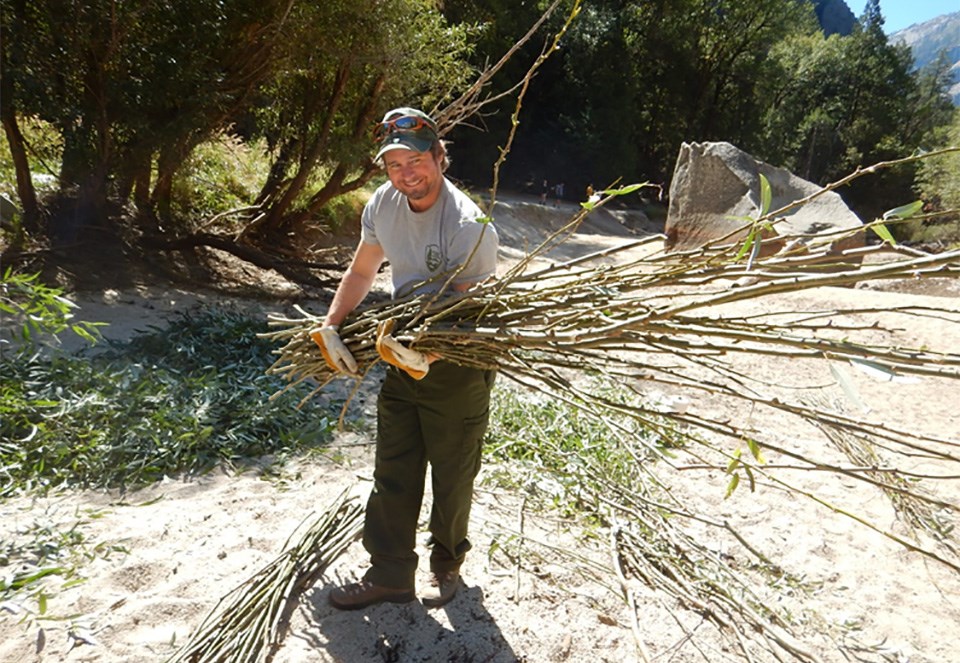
{"x": 443, "y": 587}
{"x": 358, "y": 595}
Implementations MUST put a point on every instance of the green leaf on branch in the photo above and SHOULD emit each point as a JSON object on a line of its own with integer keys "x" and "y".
{"x": 883, "y": 233}
{"x": 624, "y": 190}
{"x": 746, "y": 246}
{"x": 734, "y": 462}
{"x": 896, "y": 214}
{"x": 732, "y": 486}
{"x": 755, "y": 450}
{"x": 904, "y": 211}
{"x": 766, "y": 195}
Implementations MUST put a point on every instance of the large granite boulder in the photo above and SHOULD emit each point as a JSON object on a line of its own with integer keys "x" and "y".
{"x": 713, "y": 183}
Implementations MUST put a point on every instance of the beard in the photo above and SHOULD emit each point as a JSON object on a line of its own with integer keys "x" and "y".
{"x": 422, "y": 194}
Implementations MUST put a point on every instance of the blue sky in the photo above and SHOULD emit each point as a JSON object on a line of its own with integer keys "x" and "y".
{"x": 899, "y": 14}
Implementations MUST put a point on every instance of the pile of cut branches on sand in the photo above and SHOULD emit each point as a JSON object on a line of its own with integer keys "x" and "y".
{"x": 563, "y": 328}
{"x": 249, "y": 623}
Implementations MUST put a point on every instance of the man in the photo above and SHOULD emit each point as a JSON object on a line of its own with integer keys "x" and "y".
{"x": 428, "y": 410}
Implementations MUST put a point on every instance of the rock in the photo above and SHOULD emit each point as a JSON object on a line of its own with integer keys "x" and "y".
{"x": 714, "y": 183}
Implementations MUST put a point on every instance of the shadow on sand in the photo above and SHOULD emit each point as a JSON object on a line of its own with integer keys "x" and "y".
{"x": 462, "y": 630}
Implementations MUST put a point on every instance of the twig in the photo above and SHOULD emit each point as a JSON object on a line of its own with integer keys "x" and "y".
{"x": 520, "y": 528}
{"x": 628, "y": 596}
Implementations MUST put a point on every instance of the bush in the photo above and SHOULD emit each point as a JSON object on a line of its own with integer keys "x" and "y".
{"x": 342, "y": 214}
{"x": 221, "y": 175}
{"x": 36, "y": 313}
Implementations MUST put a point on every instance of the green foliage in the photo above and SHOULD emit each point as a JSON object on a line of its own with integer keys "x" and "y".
{"x": 33, "y": 556}
{"x": 342, "y": 214}
{"x": 557, "y": 446}
{"x": 121, "y": 81}
{"x": 345, "y": 64}
{"x": 221, "y": 174}
{"x": 46, "y": 147}
{"x": 632, "y": 80}
{"x": 839, "y": 103}
{"x": 615, "y": 193}
{"x": 939, "y": 178}
{"x": 140, "y": 101}
{"x": 896, "y": 215}
{"x": 133, "y": 90}
{"x": 759, "y": 224}
{"x": 179, "y": 399}
{"x": 34, "y": 312}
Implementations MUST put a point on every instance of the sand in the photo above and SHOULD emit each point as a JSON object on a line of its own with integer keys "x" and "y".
{"x": 158, "y": 560}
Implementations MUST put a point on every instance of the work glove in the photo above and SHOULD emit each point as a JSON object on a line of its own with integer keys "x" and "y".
{"x": 394, "y": 353}
{"x": 334, "y": 352}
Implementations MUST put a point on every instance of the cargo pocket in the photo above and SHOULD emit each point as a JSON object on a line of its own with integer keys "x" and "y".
{"x": 473, "y": 431}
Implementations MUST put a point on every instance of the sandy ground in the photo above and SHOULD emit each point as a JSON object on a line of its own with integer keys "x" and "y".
{"x": 160, "y": 558}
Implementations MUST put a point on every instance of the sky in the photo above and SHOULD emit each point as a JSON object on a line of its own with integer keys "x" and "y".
{"x": 900, "y": 14}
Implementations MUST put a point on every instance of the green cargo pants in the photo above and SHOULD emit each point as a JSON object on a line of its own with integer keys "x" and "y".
{"x": 441, "y": 420}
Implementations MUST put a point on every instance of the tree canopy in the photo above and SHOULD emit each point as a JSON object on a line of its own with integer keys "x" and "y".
{"x": 635, "y": 79}
{"x": 132, "y": 90}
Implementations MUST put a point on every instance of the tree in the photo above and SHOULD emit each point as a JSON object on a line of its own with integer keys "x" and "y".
{"x": 334, "y": 83}
{"x": 126, "y": 82}
{"x": 134, "y": 88}
{"x": 938, "y": 181}
{"x": 839, "y": 103}
{"x": 634, "y": 79}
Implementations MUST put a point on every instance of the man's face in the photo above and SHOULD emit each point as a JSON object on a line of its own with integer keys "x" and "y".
{"x": 416, "y": 175}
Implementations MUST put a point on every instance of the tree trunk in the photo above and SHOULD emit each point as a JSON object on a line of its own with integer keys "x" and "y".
{"x": 334, "y": 187}
{"x": 311, "y": 155}
{"x": 278, "y": 172}
{"x": 141, "y": 183}
{"x": 162, "y": 195}
{"x": 18, "y": 150}
{"x": 83, "y": 183}
{"x": 25, "y": 190}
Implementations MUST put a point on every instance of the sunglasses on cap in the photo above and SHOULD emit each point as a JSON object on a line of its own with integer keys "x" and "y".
{"x": 402, "y": 124}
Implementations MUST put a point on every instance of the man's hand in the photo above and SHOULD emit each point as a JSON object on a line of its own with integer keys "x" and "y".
{"x": 334, "y": 352}
{"x": 416, "y": 364}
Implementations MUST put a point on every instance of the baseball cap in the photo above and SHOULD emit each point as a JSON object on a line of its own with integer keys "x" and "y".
{"x": 406, "y": 129}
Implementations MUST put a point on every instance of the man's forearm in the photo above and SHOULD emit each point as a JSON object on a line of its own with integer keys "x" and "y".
{"x": 351, "y": 291}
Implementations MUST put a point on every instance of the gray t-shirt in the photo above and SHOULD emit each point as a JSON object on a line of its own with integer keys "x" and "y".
{"x": 422, "y": 245}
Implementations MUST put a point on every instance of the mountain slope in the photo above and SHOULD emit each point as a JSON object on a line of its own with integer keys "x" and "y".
{"x": 926, "y": 40}
{"x": 835, "y": 16}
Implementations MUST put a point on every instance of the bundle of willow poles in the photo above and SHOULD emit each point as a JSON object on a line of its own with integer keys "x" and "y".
{"x": 250, "y": 622}
{"x": 634, "y": 316}
{"x": 653, "y": 318}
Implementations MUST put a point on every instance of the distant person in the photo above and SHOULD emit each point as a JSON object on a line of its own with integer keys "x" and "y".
{"x": 558, "y": 192}
{"x": 544, "y": 190}
{"x": 592, "y": 195}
